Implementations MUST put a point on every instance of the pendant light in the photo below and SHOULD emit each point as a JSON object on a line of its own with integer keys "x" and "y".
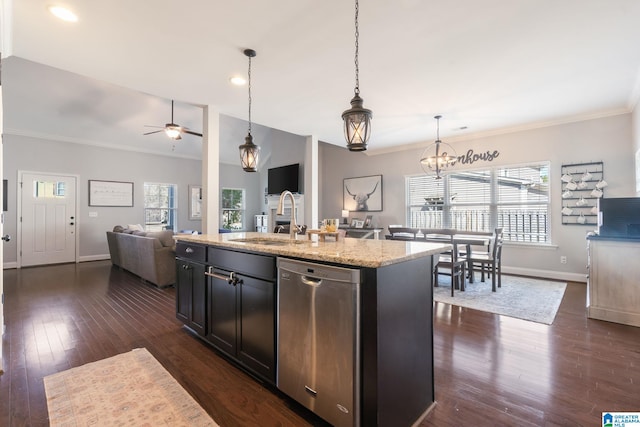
{"x": 357, "y": 119}
{"x": 249, "y": 151}
{"x": 438, "y": 156}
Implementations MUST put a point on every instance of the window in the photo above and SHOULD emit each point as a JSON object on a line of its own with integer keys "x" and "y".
{"x": 160, "y": 206}
{"x": 233, "y": 208}
{"x": 515, "y": 198}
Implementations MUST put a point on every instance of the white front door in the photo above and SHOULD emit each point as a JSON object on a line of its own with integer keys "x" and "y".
{"x": 48, "y": 227}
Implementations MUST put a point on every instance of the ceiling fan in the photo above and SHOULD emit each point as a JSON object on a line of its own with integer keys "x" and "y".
{"x": 172, "y": 130}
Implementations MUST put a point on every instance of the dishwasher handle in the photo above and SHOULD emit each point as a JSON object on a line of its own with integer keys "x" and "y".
{"x": 311, "y": 281}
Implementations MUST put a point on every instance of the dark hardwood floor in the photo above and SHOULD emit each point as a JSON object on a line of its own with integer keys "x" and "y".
{"x": 489, "y": 370}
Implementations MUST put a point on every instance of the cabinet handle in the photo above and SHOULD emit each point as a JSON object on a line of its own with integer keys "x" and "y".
{"x": 189, "y": 250}
{"x": 232, "y": 279}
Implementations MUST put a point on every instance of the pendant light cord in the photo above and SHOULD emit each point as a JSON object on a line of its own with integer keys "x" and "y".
{"x": 357, "y": 88}
{"x": 249, "y": 85}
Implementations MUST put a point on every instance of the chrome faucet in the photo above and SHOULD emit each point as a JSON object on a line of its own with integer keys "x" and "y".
{"x": 293, "y": 227}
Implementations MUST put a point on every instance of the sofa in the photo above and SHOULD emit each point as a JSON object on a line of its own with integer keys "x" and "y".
{"x": 149, "y": 255}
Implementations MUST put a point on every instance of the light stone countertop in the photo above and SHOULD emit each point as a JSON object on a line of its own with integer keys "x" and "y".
{"x": 349, "y": 251}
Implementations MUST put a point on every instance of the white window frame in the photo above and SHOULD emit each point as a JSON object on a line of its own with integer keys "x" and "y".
{"x": 444, "y": 205}
{"x": 171, "y": 208}
{"x": 242, "y": 209}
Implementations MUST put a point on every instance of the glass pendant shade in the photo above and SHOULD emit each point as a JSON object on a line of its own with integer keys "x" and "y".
{"x": 249, "y": 153}
{"x": 357, "y": 125}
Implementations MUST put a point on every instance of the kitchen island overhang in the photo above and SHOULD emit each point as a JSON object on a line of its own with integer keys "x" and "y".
{"x": 396, "y": 312}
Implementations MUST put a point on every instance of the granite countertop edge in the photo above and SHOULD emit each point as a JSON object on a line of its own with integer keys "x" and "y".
{"x": 348, "y": 251}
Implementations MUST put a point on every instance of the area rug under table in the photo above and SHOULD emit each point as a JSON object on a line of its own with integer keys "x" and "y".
{"x": 130, "y": 389}
{"x": 521, "y": 297}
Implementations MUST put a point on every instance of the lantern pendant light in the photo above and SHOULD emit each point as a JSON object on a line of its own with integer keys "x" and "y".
{"x": 249, "y": 152}
{"x": 357, "y": 119}
{"x": 438, "y": 156}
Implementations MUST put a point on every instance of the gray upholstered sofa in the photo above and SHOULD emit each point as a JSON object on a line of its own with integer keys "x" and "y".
{"x": 150, "y": 255}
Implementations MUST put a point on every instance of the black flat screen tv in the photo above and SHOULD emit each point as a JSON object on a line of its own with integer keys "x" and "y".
{"x": 619, "y": 217}
{"x": 283, "y": 178}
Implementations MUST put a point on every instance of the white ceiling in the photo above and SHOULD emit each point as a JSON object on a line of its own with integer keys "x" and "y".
{"x": 489, "y": 65}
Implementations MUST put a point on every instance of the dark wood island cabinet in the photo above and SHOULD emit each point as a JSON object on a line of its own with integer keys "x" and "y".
{"x": 396, "y": 386}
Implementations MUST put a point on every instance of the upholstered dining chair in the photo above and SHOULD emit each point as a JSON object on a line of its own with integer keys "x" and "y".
{"x": 491, "y": 261}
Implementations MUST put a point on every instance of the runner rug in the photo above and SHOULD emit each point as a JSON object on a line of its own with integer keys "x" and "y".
{"x": 130, "y": 389}
{"x": 525, "y": 298}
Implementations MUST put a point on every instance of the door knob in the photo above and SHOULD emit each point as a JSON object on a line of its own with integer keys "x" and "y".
{"x": 6, "y": 238}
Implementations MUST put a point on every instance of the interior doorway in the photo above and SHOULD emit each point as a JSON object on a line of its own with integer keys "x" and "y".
{"x": 47, "y": 231}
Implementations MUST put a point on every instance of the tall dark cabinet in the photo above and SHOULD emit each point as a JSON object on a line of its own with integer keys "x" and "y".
{"x": 191, "y": 286}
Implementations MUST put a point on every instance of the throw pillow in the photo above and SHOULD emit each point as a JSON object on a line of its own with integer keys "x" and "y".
{"x": 118, "y": 229}
{"x": 135, "y": 227}
{"x": 165, "y": 237}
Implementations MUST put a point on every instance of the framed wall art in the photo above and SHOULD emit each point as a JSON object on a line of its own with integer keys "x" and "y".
{"x": 110, "y": 193}
{"x": 362, "y": 194}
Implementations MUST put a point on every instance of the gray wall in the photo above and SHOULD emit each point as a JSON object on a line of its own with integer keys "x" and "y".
{"x": 607, "y": 139}
{"x": 90, "y": 162}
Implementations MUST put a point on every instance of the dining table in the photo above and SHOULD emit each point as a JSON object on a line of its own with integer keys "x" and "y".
{"x": 458, "y": 237}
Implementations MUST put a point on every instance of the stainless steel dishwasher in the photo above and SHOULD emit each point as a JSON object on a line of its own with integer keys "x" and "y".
{"x": 318, "y": 339}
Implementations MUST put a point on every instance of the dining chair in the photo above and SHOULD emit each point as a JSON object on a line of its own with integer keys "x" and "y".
{"x": 455, "y": 263}
{"x": 490, "y": 261}
{"x": 402, "y": 233}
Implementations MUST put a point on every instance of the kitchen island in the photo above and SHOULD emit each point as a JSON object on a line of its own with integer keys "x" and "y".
{"x": 227, "y": 292}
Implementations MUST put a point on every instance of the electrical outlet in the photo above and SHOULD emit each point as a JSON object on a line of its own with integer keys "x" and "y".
{"x": 563, "y": 259}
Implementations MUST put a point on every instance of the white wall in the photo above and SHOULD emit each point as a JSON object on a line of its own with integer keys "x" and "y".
{"x": 636, "y": 145}
{"x": 90, "y": 162}
{"x": 607, "y": 139}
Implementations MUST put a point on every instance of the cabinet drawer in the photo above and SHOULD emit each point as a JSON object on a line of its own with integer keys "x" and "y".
{"x": 191, "y": 251}
{"x": 255, "y": 265}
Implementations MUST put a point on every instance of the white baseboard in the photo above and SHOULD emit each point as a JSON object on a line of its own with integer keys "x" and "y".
{"x": 9, "y": 265}
{"x": 547, "y": 274}
{"x": 88, "y": 258}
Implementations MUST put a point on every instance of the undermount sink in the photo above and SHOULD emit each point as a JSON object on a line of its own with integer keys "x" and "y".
{"x": 267, "y": 241}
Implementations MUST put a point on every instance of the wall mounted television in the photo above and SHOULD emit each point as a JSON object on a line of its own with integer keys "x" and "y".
{"x": 283, "y": 178}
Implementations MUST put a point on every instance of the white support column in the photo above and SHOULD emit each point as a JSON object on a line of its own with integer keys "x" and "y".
{"x": 311, "y": 182}
{"x": 210, "y": 170}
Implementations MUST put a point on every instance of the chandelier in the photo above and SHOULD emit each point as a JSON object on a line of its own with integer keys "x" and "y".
{"x": 438, "y": 156}
{"x": 249, "y": 151}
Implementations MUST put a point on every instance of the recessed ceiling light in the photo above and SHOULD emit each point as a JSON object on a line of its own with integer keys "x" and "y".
{"x": 63, "y": 13}
{"x": 238, "y": 80}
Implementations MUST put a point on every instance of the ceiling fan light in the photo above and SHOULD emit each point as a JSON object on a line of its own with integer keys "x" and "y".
{"x": 173, "y": 132}
{"x": 249, "y": 154}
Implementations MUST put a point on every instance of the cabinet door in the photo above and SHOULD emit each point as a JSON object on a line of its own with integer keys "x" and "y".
{"x": 198, "y": 321}
{"x": 256, "y": 326}
{"x": 191, "y": 301}
{"x": 222, "y": 313}
{"x": 183, "y": 291}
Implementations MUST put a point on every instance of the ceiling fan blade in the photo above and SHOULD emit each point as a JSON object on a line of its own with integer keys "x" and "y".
{"x": 155, "y": 131}
{"x": 191, "y": 132}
